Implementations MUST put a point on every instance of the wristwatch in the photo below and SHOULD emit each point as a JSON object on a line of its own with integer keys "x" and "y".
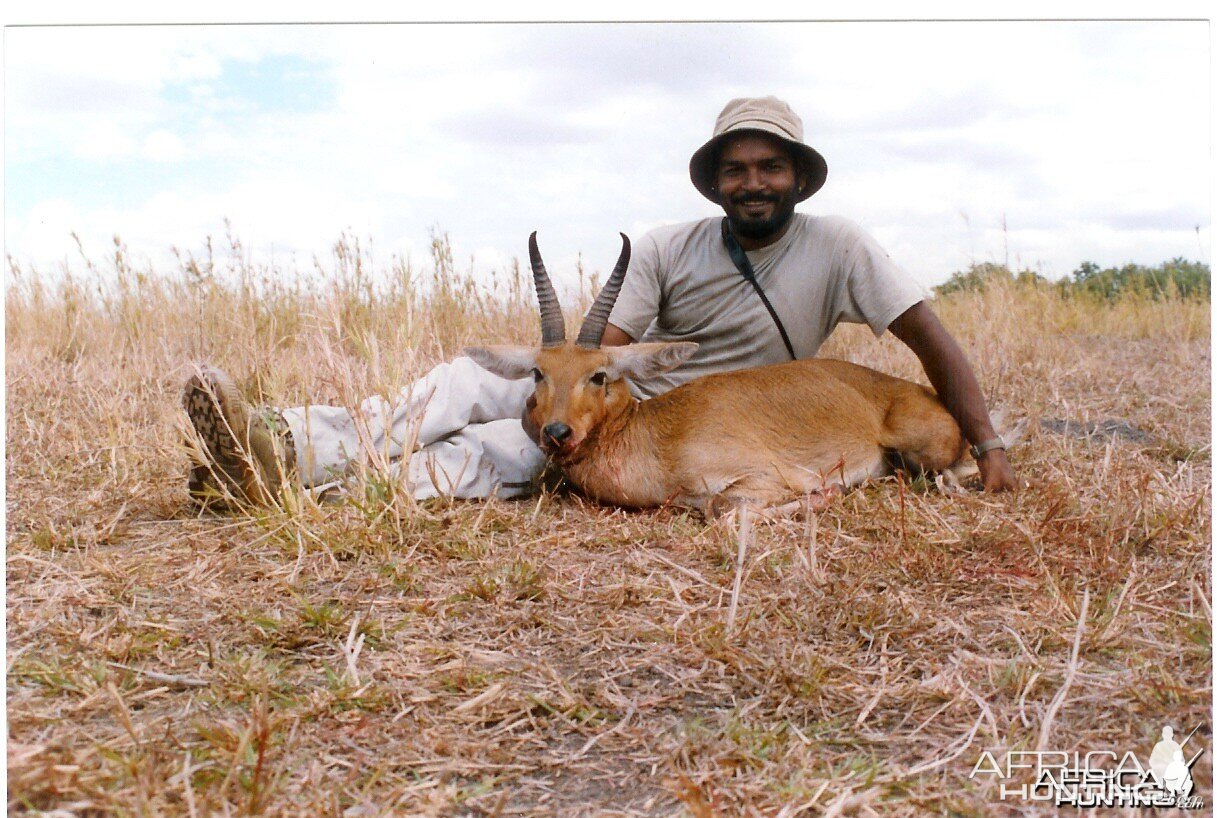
{"x": 989, "y": 445}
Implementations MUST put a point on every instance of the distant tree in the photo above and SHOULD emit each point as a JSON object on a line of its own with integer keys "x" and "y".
{"x": 1177, "y": 278}
{"x": 979, "y": 276}
{"x": 975, "y": 279}
{"x": 1030, "y": 278}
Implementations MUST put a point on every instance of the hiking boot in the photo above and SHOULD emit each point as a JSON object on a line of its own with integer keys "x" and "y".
{"x": 248, "y": 454}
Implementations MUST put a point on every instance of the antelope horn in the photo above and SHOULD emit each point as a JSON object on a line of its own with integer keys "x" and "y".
{"x": 592, "y": 331}
{"x": 553, "y": 328}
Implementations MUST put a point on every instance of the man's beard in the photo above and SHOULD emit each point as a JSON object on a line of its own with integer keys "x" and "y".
{"x": 762, "y": 228}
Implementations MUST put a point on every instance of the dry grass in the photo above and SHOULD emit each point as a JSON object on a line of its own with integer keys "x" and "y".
{"x": 551, "y": 657}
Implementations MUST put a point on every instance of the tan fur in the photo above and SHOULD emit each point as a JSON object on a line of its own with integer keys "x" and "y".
{"x": 759, "y": 436}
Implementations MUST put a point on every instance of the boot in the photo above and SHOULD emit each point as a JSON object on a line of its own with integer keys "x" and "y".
{"x": 248, "y": 455}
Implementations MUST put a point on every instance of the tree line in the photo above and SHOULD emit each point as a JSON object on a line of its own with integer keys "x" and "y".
{"x": 1177, "y": 278}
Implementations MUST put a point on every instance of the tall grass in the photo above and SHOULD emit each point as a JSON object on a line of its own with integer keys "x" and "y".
{"x": 389, "y": 318}
{"x": 381, "y": 656}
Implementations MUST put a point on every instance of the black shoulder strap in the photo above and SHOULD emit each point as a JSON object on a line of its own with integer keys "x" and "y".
{"x": 745, "y": 268}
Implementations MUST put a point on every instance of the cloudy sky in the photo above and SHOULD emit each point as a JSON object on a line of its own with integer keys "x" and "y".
{"x": 1086, "y": 140}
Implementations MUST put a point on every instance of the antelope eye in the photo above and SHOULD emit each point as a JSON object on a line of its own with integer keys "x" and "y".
{"x": 598, "y": 379}
{"x": 537, "y": 376}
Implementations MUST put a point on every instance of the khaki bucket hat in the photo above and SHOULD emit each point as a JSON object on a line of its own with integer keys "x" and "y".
{"x": 766, "y": 114}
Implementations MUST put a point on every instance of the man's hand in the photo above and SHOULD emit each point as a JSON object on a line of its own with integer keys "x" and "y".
{"x": 996, "y": 471}
{"x": 530, "y": 428}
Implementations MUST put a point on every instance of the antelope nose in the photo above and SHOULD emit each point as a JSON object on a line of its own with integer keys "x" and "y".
{"x": 557, "y": 432}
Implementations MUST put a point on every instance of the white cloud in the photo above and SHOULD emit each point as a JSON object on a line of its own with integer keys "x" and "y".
{"x": 103, "y": 140}
{"x": 163, "y": 146}
{"x": 1089, "y": 138}
{"x": 45, "y": 233}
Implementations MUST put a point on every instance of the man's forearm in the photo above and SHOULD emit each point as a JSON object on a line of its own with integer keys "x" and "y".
{"x": 957, "y": 388}
{"x": 948, "y": 370}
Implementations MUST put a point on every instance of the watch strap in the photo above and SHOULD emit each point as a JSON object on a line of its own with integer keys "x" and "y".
{"x": 987, "y": 446}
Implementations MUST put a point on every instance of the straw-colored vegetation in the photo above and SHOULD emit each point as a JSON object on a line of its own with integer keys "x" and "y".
{"x": 378, "y": 656}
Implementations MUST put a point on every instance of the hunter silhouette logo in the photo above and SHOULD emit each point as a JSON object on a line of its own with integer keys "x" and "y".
{"x": 1166, "y": 762}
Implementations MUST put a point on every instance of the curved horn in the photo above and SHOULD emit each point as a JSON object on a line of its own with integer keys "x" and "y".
{"x": 592, "y": 330}
{"x": 553, "y": 328}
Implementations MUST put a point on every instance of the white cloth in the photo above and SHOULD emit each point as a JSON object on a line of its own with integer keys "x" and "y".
{"x": 683, "y": 286}
{"x": 457, "y": 429}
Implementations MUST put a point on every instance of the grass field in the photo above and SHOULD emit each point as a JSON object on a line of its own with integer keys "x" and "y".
{"x": 380, "y": 656}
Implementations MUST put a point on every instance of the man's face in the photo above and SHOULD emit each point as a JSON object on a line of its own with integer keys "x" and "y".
{"x": 758, "y": 184}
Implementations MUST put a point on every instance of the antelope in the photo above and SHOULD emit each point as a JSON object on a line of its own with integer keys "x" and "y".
{"x": 754, "y": 437}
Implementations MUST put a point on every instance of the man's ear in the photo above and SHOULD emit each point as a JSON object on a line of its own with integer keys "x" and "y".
{"x": 802, "y": 174}
{"x": 647, "y": 360}
{"x": 505, "y": 360}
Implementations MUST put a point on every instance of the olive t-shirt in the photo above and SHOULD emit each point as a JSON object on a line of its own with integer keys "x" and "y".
{"x": 682, "y": 286}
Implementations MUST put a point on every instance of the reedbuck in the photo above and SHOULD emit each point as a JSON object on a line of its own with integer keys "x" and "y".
{"x": 754, "y": 436}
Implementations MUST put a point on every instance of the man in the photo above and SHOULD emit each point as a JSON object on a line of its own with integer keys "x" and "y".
{"x": 815, "y": 271}
{"x": 458, "y": 430}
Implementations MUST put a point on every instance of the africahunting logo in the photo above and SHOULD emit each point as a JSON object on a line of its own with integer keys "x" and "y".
{"x": 1098, "y": 779}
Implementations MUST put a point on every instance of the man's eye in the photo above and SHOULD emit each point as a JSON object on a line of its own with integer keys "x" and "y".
{"x": 537, "y": 376}
{"x": 598, "y": 379}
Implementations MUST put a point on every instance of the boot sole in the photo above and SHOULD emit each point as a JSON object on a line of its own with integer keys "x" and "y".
{"x": 214, "y": 407}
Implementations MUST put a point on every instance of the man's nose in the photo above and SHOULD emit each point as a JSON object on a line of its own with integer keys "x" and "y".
{"x": 753, "y": 179}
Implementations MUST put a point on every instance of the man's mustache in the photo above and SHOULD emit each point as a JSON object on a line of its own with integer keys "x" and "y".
{"x": 754, "y": 198}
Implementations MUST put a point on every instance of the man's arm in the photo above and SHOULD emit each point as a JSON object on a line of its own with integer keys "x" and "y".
{"x": 952, "y": 377}
{"x": 615, "y": 337}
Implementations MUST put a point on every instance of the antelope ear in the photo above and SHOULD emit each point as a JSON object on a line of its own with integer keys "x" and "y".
{"x": 505, "y": 360}
{"x": 646, "y": 360}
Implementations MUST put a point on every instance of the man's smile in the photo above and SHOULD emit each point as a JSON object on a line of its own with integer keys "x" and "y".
{"x": 756, "y": 206}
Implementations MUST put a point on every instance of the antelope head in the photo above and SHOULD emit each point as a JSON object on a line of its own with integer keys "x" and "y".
{"x": 580, "y": 387}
